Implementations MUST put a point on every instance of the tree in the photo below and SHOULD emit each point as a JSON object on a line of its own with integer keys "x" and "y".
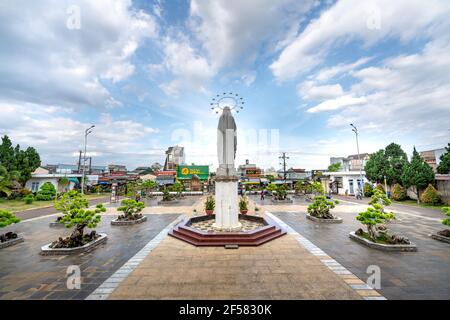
{"x": 75, "y": 211}
{"x": 321, "y": 207}
{"x": 148, "y": 186}
{"x": 131, "y": 209}
{"x": 446, "y": 211}
{"x": 6, "y": 181}
{"x": 444, "y": 165}
{"x": 16, "y": 160}
{"x": 177, "y": 187}
{"x": 317, "y": 188}
{"x": 431, "y": 196}
{"x": 417, "y": 174}
{"x": 300, "y": 187}
{"x": 47, "y": 192}
{"x": 368, "y": 189}
{"x": 334, "y": 167}
{"x": 156, "y": 167}
{"x": 64, "y": 183}
{"x": 375, "y": 215}
{"x": 388, "y": 162}
{"x": 398, "y": 193}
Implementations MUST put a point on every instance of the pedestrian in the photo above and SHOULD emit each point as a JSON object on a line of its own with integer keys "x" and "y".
{"x": 262, "y": 194}
{"x": 138, "y": 197}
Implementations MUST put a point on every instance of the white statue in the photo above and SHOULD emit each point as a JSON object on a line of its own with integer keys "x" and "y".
{"x": 226, "y": 143}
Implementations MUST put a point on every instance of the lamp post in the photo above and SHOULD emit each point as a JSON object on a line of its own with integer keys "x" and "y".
{"x": 86, "y": 133}
{"x": 355, "y": 130}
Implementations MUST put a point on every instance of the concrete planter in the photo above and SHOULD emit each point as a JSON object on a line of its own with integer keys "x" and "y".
{"x": 383, "y": 247}
{"x": 438, "y": 237}
{"x": 46, "y": 250}
{"x": 117, "y": 222}
{"x": 282, "y": 201}
{"x": 11, "y": 242}
{"x": 320, "y": 220}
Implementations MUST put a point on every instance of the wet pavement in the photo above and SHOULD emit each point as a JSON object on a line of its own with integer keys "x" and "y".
{"x": 25, "y": 274}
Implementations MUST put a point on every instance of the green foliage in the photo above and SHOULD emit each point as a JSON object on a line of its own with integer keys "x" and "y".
{"x": 317, "y": 188}
{"x": 243, "y": 203}
{"x": 375, "y": 215}
{"x": 166, "y": 195}
{"x": 177, "y": 187}
{"x": 431, "y": 196}
{"x": 64, "y": 183}
{"x": 300, "y": 187}
{"x": 389, "y": 162}
{"x": 210, "y": 203}
{"x": 444, "y": 165}
{"x": 334, "y": 167}
{"x": 446, "y": 211}
{"x": 148, "y": 185}
{"x": 71, "y": 200}
{"x": 6, "y": 181}
{"x": 321, "y": 207}
{"x": 380, "y": 188}
{"x": 398, "y": 193}
{"x": 24, "y": 162}
{"x": 47, "y": 192}
{"x": 131, "y": 207}
{"x": 79, "y": 215}
{"x": 368, "y": 189}
{"x": 272, "y": 187}
{"x": 7, "y": 218}
{"x": 281, "y": 192}
{"x": 28, "y": 199}
{"x": 417, "y": 174}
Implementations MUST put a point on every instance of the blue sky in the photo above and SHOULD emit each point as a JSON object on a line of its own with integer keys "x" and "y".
{"x": 144, "y": 73}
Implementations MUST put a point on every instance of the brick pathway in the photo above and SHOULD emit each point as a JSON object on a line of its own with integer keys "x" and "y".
{"x": 280, "y": 269}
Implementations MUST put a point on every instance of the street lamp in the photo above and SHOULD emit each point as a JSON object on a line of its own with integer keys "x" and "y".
{"x": 355, "y": 130}
{"x": 86, "y": 133}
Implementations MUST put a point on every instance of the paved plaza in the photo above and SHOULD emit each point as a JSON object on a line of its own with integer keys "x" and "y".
{"x": 313, "y": 261}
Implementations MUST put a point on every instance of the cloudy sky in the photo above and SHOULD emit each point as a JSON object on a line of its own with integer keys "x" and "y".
{"x": 144, "y": 73}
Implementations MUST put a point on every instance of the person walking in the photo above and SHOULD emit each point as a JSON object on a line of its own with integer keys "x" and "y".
{"x": 262, "y": 194}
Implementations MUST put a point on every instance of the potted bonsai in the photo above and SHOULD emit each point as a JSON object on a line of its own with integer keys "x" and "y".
{"x": 131, "y": 213}
{"x": 9, "y": 238}
{"x": 243, "y": 205}
{"x": 444, "y": 235}
{"x": 320, "y": 210}
{"x": 210, "y": 204}
{"x": 377, "y": 235}
{"x": 77, "y": 215}
{"x": 68, "y": 201}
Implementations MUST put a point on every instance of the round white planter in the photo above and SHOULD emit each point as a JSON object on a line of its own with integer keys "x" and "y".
{"x": 320, "y": 220}
{"x": 46, "y": 250}
{"x": 381, "y": 246}
{"x": 117, "y": 222}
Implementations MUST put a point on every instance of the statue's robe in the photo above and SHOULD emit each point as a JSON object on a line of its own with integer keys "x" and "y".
{"x": 226, "y": 143}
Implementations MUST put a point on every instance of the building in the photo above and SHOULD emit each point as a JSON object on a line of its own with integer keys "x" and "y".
{"x": 348, "y": 179}
{"x": 174, "y": 157}
{"x": 73, "y": 169}
{"x": 113, "y": 168}
{"x": 432, "y": 157}
{"x": 193, "y": 177}
{"x": 42, "y": 175}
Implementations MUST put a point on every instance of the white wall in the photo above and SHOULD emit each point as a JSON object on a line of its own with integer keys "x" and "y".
{"x": 41, "y": 181}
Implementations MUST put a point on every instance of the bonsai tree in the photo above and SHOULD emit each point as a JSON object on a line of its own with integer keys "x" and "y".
{"x": 166, "y": 195}
{"x": 398, "y": 192}
{"x": 131, "y": 209}
{"x": 7, "y": 218}
{"x": 321, "y": 207}
{"x": 178, "y": 188}
{"x": 431, "y": 196}
{"x": 281, "y": 192}
{"x": 417, "y": 174}
{"x": 47, "y": 192}
{"x": 148, "y": 186}
{"x": 368, "y": 189}
{"x": 317, "y": 188}
{"x": 64, "y": 183}
{"x": 76, "y": 214}
{"x": 243, "y": 205}
{"x": 300, "y": 187}
{"x": 210, "y": 204}
{"x": 375, "y": 215}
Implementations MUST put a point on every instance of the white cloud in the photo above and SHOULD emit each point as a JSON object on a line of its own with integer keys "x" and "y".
{"x": 348, "y": 20}
{"x": 308, "y": 90}
{"x": 338, "y": 103}
{"x": 44, "y": 62}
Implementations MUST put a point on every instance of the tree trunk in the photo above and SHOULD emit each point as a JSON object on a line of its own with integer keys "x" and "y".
{"x": 417, "y": 193}
{"x": 371, "y": 230}
{"x": 76, "y": 238}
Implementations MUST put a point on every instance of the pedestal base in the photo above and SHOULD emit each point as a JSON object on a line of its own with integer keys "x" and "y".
{"x": 227, "y": 211}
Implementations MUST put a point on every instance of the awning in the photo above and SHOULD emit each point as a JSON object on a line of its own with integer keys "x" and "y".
{"x": 74, "y": 180}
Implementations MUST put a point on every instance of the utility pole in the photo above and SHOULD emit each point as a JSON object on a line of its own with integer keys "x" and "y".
{"x": 284, "y": 165}
{"x": 86, "y": 133}
{"x": 355, "y": 130}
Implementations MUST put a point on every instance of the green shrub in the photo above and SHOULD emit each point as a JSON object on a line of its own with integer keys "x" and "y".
{"x": 47, "y": 192}
{"x": 7, "y": 218}
{"x": 380, "y": 187}
{"x": 243, "y": 204}
{"x": 321, "y": 207}
{"x": 368, "y": 189}
{"x": 398, "y": 193}
{"x": 131, "y": 209}
{"x": 29, "y": 199}
{"x": 210, "y": 203}
{"x": 446, "y": 211}
{"x": 431, "y": 196}
{"x": 166, "y": 195}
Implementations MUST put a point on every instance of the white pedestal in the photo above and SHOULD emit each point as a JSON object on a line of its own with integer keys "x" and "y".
{"x": 227, "y": 210}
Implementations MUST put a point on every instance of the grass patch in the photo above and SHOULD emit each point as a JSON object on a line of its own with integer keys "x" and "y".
{"x": 17, "y": 205}
{"x": 413, "y": 203}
